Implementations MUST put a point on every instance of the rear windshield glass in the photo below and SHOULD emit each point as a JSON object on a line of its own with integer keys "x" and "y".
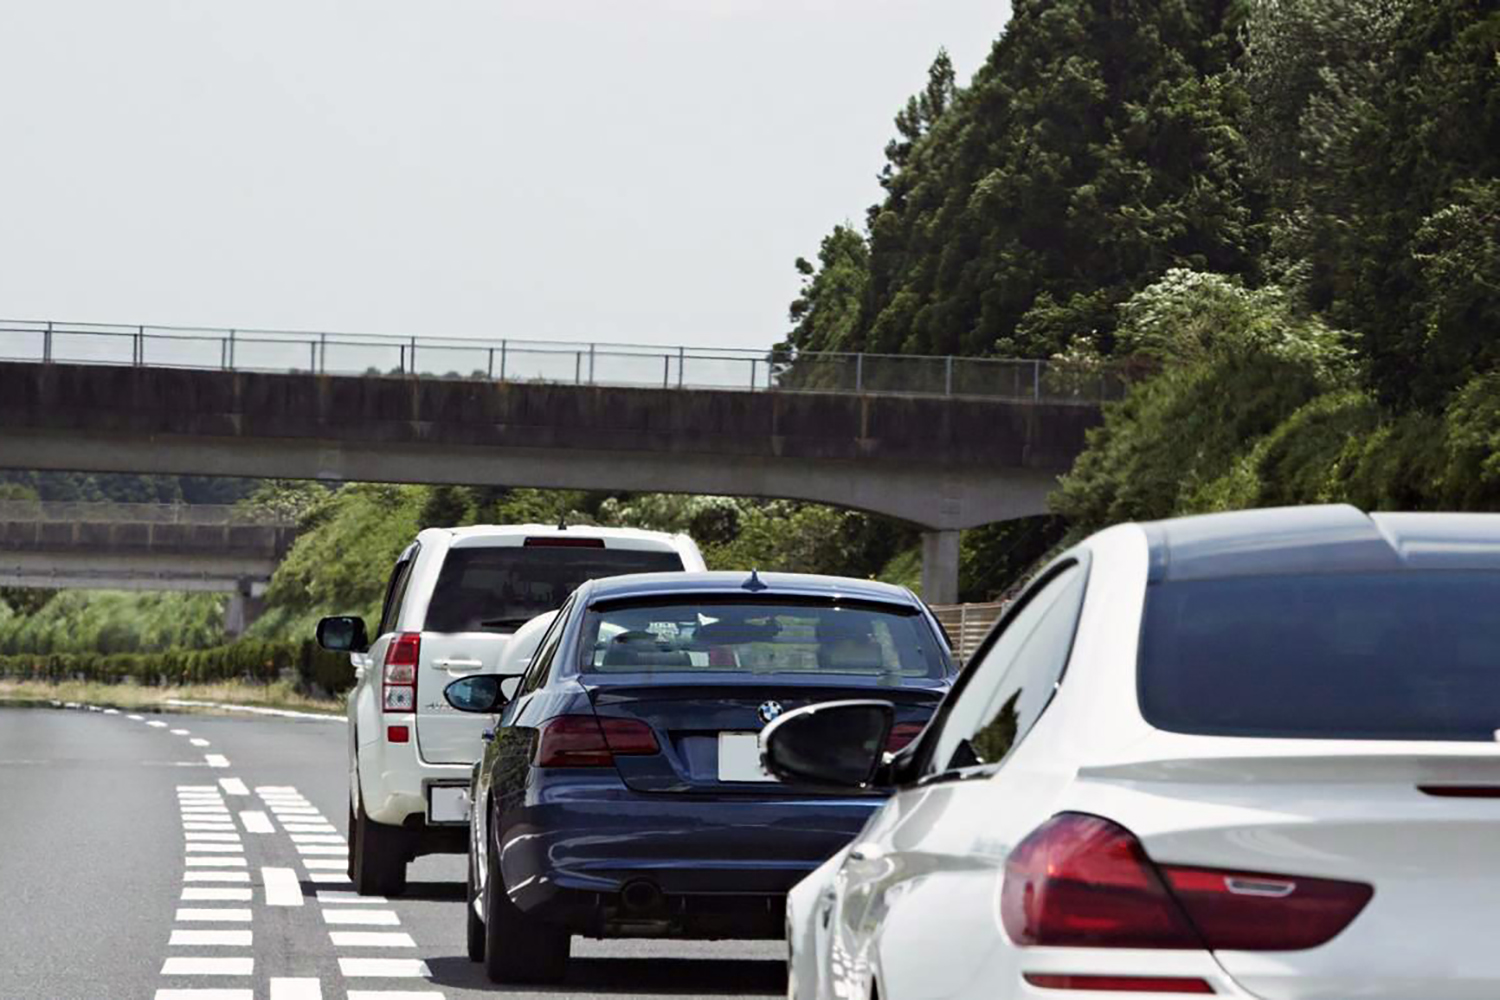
{"x": 1400, "y": 656}
{"x": 500, "y": 589}
{"x": 762, "y": 638}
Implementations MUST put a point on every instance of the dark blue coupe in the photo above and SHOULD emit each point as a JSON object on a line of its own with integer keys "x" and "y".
{"x": 622, "y": 793}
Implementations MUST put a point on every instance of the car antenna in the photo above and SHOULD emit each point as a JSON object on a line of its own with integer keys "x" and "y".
{"x": 754, "y": 584}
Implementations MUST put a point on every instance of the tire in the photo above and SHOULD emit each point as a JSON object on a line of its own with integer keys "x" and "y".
{"x": 518, "y": 948}
{"x": 377, "y": 859}
{"x": 473, "y": 925}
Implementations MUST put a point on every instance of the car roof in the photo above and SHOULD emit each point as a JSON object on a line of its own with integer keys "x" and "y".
{"x": 549, "y": 530}
{"x": 1332, "y": 538}
{"x": 771, "y": 586}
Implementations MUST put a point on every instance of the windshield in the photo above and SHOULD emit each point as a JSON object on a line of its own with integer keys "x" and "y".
{"x": 1402, "y": 656}
{"x": 499, "y": 589}
{"x": 763, "y": 637}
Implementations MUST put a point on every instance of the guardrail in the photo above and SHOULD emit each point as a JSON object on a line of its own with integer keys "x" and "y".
{"x": 511, "y": 360}
{"x": 107, "y": 512}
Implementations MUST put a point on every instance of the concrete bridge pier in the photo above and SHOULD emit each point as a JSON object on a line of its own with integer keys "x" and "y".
{"x": 246, "y": 604}
{"x": 940, "y": 566}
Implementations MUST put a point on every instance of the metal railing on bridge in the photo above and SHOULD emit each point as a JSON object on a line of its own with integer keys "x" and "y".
{"x": 108, "y": 512}
{"x": 602, "y": 364}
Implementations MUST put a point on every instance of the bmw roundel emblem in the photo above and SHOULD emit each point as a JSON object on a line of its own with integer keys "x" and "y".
{"x": 768, "y": 711}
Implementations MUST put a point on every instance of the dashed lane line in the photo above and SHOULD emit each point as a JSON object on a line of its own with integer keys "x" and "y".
{"x": 402, "y": 968}
{"x": 339, "y": 896}
{"x": 184, "y": 937}
{"x": 208, "y": 967}
{"x": 394, "y": 995}
{"x": 301, "y": 988}
{"x": 371, "y": 939}
{"x": 207, "y": 995}
{"x": 198, "y": 741}
{"x": 157, "y": 724}
{"x": 282, "y": 886}
{"x": 178, "y": 732}
{"x": 367, "y": 918}
{"x": 215, "y": 875}
{"x": 215, "y": 894}
{"x": 216, "y": 760}
{"x": 232, "y": 915}
{"x": 233, "y": 786}
{"x": 218, "y": 861}
{"x": 257, "y": 822}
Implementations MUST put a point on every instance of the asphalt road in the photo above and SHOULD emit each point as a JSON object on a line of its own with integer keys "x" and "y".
{"x": 131, "y": 866}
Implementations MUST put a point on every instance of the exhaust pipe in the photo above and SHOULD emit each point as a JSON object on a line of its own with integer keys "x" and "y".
{"x": 641, "y": 896}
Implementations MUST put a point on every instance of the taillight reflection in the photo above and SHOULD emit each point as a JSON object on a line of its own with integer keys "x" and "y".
{"x": 902, "y": 734}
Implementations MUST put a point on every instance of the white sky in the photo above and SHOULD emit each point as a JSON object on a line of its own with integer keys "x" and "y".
{"x": 625, "y": 170}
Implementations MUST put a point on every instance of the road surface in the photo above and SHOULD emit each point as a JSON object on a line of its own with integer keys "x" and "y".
{"x": 195, "y": 857}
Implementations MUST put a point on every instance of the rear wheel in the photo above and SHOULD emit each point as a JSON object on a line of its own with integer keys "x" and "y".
{"x": 377, "y": 858}
{"x": 518, "y": 948}
{"x": 474, "y": 926}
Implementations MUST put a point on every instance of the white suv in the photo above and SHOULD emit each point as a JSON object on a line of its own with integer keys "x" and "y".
{"x": 454, "y": 600}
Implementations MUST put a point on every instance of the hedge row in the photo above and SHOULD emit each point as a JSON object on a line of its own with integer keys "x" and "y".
{"x": 312, "y": 669}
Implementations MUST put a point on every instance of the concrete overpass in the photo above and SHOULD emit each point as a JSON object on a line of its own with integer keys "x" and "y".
{"x": 121, "y": 546}
{"x": 945, "y": 444}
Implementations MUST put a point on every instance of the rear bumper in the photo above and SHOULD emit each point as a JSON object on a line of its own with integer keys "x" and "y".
{"x": 605, "y": 861}
{"x": 393, "y": 782}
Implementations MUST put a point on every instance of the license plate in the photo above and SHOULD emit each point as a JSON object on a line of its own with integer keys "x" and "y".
{"x": 739, "y": 758}
{"x": 448, "y": 804}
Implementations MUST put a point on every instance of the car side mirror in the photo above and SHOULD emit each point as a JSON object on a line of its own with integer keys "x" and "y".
{"x": 837, "y": 744}
{"x": 481, "y": 693}
{"x": 343, "y": 634}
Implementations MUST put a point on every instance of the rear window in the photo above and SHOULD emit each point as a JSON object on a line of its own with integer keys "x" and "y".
{"x": 499, "y": 589}
{"x": 1398, "y": 656}
{"x": 886, "y": 644}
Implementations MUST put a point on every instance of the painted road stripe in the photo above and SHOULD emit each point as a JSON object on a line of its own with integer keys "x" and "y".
{"x": 296, "y": 989}
{"x": 232, "y": 939}
{"x": 155, "y": 724}
{"x": 283, "y": 888}
{"x": 216, "y": 760}
{"x": 317, "y": 838}
{"x": 371, "y": 939}
{"x": 217, "y": 862}
{"x": 198, "y": 741}
{"x": 208, "y": 967}
{"x": 211, "y": 995}
{"x": 209, "y": 848}
{"x": 137, "y": 718}
{"x": 198, "y": 788}
{"x": 179, "y": 732}
{"x": 216, "y": 894}
{"x": 216, "y": 876}
{"x": 405, "y": 968}
{"x": 310, "y": 863}
{"x": 329, "y": 849}
{"x": 336, "y": 896}
{"x": 369, "y": 918}
{"x": 111, "y": 711}
{"x": 257, "y": 822}
{"x": 228, "y": 916}
{"x": 287, "y": 812}
{"x": 233, "y": 786}
{"x": 338, "y": 876}
{"x": 393, "y": 995}
{"x": 275, "y": 788}
{"x": 225, "y": 838}
{"x": 309, "y": 828}
{"x": 188, "y": 824}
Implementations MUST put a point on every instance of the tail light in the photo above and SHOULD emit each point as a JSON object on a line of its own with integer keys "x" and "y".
{"x": 399, "y": 690}
{"x": 589, "y": 741}
{"x": 1083, "y": 881}
{"x": 901, "y": 734}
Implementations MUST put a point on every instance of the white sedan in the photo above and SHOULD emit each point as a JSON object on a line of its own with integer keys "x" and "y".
{"x": 1247, "y": 755}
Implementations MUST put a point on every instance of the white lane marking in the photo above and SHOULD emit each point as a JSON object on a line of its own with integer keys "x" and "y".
{"x": 283, "y": 888}
{"x": 216, "y": 760}
{"x": 275, "y": 788}
{"x": 222, "y": 838}
{"x": 256, "y": 821}
{"x": 394, "y": 995}
{"x": 233, "y": 786}
{"x": 296, "y": 989}
{"x": 321, "y": 849}
{"x": 198, "y": 788}
{"x": 211, "y": 848}
{"x": 371, "y": 939}
{"x": 336, "y": 896}
{"x": 137, "y": 718}
{"x": 111, "y": 711}
{"x": 293, "y": 810}
{"x": 284, "y": 713}
{"x": 321, "y": 876}
{"x": 215, "y": 876}
{"x": 154, "y": 724}
{"x": 309, "y": 827}
{"x": 208, "y": 967}
{"x": 311, "y": 863}
{"x": 198, "y": 741}
{"x": 206, "y": 995}
{"x": 178, "y": 732}
{"x": 317, "y": 838}
{"x": 406, "y": 968}
{"x": 216, "y": 862}
{"x": 231, "y": 939}
{"x": 190, "y": 825}
{"x": 207, "y": 792}
{"x": 215, "y": 894}
{"x": 232, "y": 915}
{"x": 370, "y": 918}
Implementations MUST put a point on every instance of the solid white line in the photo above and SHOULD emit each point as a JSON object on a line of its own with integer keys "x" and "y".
{"x": 321, "y": 876}
{"x": 371, "y": 939}
{"x": 394, "y": 995}
{"x": 215, "y": 876}
{"x": 336, "y": 896}
{"x": 198, "y": 741}
{"x": 208, "y": 967}
{"x": 282, "y": 887}
{"x": 214, "y": 894}
{"x": 309, "y": 827}
{"x": 223, "y": 838}
{"x": 406, "y": 968}
{"x": 216, "y": 862}
{"x": 296, "y": 989}
{"x": 190, "y": 825}
{"x": 370, "y": 918}
{"x": 216, "y": 760}
{"x": 208, "y": 995}
{"x": 210, "y": 848}
{"x": 233, "y": 786}
{"x": 198, "y": 788}
{"x": 324, "y": 863}
{"x": 317, "y": 838}
{"x": 321, "y": 849}
{"x": 231, "y": 915}
{"x": 232, "y": 939}
{"x": 256, "y": 821}
{"x": 179, "y": 732}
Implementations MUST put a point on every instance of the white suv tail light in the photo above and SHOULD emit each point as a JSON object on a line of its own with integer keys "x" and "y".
{"x": 400, "y": 676}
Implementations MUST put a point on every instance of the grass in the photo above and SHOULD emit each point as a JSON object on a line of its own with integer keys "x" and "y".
{"x": 279, "y": 694}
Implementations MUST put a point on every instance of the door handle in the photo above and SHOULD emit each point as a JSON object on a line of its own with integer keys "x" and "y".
{"x": 458, "y": 664}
